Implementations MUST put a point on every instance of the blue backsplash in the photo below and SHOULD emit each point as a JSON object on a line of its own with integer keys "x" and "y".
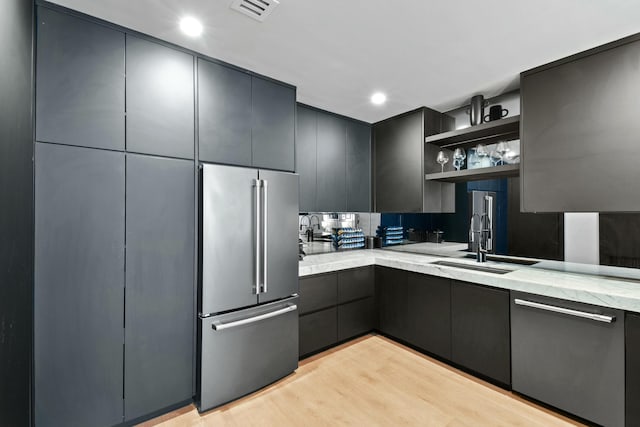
{"x": 456, "y": 225}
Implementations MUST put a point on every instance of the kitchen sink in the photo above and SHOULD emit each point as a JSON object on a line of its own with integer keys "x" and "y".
{"x": 483, "y": 268}
{"x": 498, "y": 258}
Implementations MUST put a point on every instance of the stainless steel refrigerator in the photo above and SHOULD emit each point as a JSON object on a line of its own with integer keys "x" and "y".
{"x": 247, "y": 305}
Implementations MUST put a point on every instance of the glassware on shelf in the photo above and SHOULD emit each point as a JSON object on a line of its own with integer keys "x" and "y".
{"x": 502, "y": 148}
{"x": 458, "y": 158}
{"x": 442, "y": 159}
{"x": 483, "y": 156}
{"x": 495, "y": 157}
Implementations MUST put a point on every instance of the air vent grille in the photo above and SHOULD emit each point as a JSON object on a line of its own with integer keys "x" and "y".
{"x": 256, "y": 9}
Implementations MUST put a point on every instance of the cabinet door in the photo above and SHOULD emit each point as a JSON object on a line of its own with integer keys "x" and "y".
{"x": 224, "y": 114}
{"x": 480, "y": 337}
{"x": 79, "y": 286}
{"x": 580, "y": 133}
{"x": 358, "y": 167}
{"x": 633, "y": 369}
{"x": 273, "y": 125}
{"x": 318, "y": 292}
{"x": 79, "y": 82}
{"x": 160, "y": 116}
{"x": 355, "y": 283}
{"x": 306, "y": 156}
{"x": 429, "y": 313}
{"x": 391, "y": 294}
{"x": 159, "y": 284}
{"x": 356, "y": 318}
{"x": 332, "y": 190}
{"x": 318, "y": 330}
{"x": 398, "y": 164}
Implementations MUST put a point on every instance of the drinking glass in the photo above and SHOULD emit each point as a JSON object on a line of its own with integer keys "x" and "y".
{"x": 495, "y": 157}
{"x": 442, "y": 159}
{"x": 458, "y": 158}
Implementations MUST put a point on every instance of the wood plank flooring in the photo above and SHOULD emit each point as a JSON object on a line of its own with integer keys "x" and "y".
{"x": 372, "y": 381}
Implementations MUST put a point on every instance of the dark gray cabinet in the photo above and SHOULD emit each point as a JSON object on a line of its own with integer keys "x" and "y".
{"x": 568, "y": 360}
{"x": 333, "y": 159}
{"x": 160, "y": 100}
{"x": 159, "y": 311}
{"x": 392, "y": 300}
{"x": 429, "y": 313}
{"x": 400, "y": 164}
{"x": 358, "y": 163}
{"x": 632, "y": 344}
{"x": 356, "y": 318}
{"x": 224, "y": 114}
{"x": 79, "y": 286}
{"x": 306, "y": 157}
{"x": 331, "y": 149}
{"x": 355, "y": 283}
{"x": 318, "y": 330}
{"x": 480, "y": 333}
{"x": 80, "y": 82}
{"x": 317, "y": 292}
{"x": 243, "y": 119}
{"x": 273, "y": 125}
{"x": 579, "y": 131}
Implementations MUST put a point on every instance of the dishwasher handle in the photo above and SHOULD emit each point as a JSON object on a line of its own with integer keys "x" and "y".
{"x": 576, "y": 313}
{"x": 220, "y": 326}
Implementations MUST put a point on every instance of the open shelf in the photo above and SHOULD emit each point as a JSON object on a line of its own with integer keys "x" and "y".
{"x": 486, "y": 133}
{"x": 502, "y": 171}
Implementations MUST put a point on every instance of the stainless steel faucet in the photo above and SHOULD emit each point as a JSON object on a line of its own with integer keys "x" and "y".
{"x": 483, "y": 231}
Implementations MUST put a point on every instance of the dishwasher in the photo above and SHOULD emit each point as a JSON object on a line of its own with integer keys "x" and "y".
{"x": 569, "y": 355}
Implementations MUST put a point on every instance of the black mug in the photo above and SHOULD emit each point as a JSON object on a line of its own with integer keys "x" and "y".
{"x": 496, "y": 112}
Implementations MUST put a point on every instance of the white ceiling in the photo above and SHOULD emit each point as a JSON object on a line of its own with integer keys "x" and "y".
{"x": 419, "y": 52}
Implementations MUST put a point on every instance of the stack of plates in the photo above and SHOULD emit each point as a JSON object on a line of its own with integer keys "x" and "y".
{"x": 348, "y": 238}
{"x": 391, "y": 235}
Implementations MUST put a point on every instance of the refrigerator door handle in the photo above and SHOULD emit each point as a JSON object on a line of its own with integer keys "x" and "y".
{"x": 220, "y": 326}
{"x": 265, "y": 227}
{"x": 258, "y": 185}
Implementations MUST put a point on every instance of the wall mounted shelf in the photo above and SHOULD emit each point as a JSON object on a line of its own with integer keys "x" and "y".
{"x": 486, "y": 133}
{"x": 502, "y": 171}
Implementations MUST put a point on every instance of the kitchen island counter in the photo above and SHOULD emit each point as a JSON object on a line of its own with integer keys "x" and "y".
{"x": 612, "y": 287}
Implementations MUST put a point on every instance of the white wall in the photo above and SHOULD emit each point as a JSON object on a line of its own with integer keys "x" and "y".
{"x": 582, "y": 238}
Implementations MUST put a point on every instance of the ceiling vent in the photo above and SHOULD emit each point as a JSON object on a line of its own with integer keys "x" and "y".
{"x": 256, "y": 9}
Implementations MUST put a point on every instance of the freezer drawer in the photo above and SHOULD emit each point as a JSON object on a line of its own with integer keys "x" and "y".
{"x": 246, "y": 350}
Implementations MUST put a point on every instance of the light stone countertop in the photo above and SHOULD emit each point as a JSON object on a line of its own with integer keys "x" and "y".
{"x": 569, "y": 281}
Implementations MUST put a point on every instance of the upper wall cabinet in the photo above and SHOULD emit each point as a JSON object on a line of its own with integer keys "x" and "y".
{"x": 400, "y": 163}
{"x": 579, "y": 135}
{"x": 273, "y": 124}
{"x": 160, "y": 116}
{"x": 243, "y": 119}
{"x": 80, "y": 82}
{"x": 224, "y": 114}
{"x": 333, "y": 158}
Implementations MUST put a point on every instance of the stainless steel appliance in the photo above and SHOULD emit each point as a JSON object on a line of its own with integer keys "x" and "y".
{"x": 247, "y": 305}
{"x": 482, "y": 225}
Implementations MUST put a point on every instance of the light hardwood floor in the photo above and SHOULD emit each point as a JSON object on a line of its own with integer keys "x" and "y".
{"x": 372, "y": 381}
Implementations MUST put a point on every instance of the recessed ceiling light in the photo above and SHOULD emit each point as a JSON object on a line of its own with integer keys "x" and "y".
{"x": 378, "y": 98}
{"x": 191, "y": 26}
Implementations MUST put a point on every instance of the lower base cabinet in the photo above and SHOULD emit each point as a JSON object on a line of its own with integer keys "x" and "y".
{"x": 335, "y": 307}
{"x": 318, "y": 330}
{"x": 632, "y": 345}
{"x": 480, "y": 331}
{"x": 356, "y": 318}
{"x": 566, "y": 358}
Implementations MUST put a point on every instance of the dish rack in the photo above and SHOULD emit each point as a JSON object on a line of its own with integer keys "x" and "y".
{"x": 348, "y": 238}
{"x": 391, "y": 235}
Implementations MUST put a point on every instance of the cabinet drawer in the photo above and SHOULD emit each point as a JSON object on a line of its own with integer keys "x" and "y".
{"x": 318, "y": 330}
{"x": 354, "y": 284}
{"x": 356, "y": 318}
{"x": 318, "y": 292}
{"x": 573, "y": 363}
